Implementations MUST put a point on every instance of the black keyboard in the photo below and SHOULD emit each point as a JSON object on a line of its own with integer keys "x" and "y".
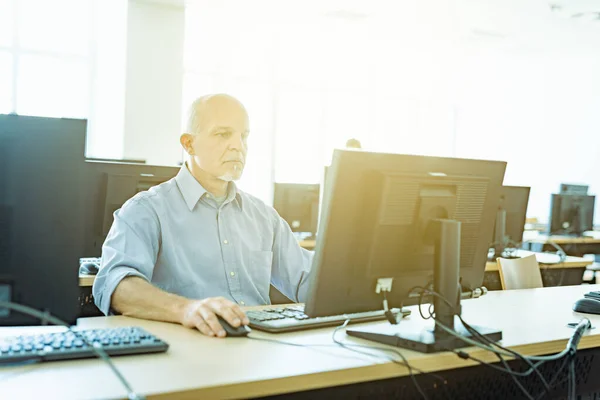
{"x": 292, "y": 318}
{"x": 67, "y": 345}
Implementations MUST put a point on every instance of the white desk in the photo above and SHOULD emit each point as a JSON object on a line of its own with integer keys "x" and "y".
{"x": 533, "y": 322}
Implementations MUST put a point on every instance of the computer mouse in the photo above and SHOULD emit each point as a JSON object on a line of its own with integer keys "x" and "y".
{"x": 88, "y": 268}
{"x": 242, "y": 330}
{"x": 587, "y": 305}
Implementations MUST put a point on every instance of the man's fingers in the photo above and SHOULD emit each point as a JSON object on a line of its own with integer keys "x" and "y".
{"x": 221, "y": 304}
{"x": 240, "y": 314}
{"x": 212, "y": 321}
{"x": 229, "y": 316}
{"x": 203, "y": 327}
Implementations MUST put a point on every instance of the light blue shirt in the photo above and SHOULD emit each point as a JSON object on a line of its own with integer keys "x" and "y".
{"x": 178, "y": 238}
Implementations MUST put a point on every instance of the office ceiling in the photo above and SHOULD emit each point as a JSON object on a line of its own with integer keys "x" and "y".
{"x": 514, "y": 25}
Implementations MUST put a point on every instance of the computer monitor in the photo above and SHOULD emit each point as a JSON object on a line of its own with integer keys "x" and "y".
{"x": 569, "y": 188}
{"x": 41, "y": 214}
{"x": 108, "y": 186}
{"x": 322, "y": 191}
{"x": 571, "y": 214}
{"x": 298, "y": 205}
{"x": 382, "y": 219}
{"x": 510, "y": 217}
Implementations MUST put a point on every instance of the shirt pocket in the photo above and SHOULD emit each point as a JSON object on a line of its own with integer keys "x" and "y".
{"x": 260, "y": 269}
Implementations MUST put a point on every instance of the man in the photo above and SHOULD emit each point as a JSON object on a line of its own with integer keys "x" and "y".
{"x": 353, "y": 144}
{"x": 196, "y": 247}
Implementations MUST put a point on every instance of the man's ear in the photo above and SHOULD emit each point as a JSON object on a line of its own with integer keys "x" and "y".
{"x": 187, "y": 142}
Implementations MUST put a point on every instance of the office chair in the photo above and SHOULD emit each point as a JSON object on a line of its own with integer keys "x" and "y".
{"x": 519, "y": 273}
{"x": 277, "y": 297}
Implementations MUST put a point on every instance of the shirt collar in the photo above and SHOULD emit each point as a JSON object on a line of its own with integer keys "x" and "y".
{"x": 193, "y": 191}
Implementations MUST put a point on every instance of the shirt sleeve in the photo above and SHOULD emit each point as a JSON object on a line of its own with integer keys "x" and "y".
{"x": 130, "y": 249}
{"x": 291, "y": 263}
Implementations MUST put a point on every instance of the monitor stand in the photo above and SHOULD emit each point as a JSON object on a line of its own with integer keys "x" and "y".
{"x": 424, "y": 335}
{"x": 500, "y": 239}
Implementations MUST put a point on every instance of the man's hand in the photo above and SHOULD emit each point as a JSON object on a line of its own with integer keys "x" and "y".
{"x": 202, "y": 315}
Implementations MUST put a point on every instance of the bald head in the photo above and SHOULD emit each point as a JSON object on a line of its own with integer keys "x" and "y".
{"x": 210, "y": 106}
{"x": 216, "y": 137}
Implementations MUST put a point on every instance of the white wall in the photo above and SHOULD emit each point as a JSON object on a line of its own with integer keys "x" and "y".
{"x": 154, "y": 79}
{"x": 109, "y": 51}
{"x": 474, "y": 78}
{"x": 534, "y": 102}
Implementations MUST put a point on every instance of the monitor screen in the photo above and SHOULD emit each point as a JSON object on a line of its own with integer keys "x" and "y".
{"x": 571, "y": 214}
{"x": 375, "y": 224}
{"x": 298, "y": 205}
{"x": 108, "y": 187}
{"x": 41, "y": 215}
{"x": 513, "y": 200}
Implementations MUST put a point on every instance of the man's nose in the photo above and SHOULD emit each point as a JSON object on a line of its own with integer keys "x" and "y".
{"x": 237, "y": 143}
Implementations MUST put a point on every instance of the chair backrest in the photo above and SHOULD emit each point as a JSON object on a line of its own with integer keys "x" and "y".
{"x": 277, "y": 297}
{"x": 519, "y": 273}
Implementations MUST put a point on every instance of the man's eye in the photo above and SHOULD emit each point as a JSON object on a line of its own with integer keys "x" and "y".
{"x": 224, "y": 134}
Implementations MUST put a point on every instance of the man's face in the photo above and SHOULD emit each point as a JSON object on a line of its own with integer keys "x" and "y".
{"x": 220, "y": 147}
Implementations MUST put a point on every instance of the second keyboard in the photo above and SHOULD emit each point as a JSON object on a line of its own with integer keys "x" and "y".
{"x": 292, "y": 318}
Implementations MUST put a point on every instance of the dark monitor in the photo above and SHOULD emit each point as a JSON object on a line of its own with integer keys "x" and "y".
{"x": 415, "y": 219}
{"x": 298, "y": 205}
{"x": 108, "y": 187}
{"x": 41, "y": 214}
{"x": 116, "y": 160}
{"x": 569, "y": 188}
{"x": 571, "y": 214}
{"x": 510, "y": 217}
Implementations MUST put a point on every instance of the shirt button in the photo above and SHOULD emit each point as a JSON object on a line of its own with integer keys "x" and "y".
{"x": 225, "y": 241}
{"x": 242, "y": 303}
{"x": 232, "y": 273}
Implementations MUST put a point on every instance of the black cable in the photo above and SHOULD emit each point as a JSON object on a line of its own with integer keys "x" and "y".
{"x": 389, "y": 315}
{"x": 467, "y": 356}
{"x": 474, "y": 333}
{"x": 567, "y": 355}
{"x": 438, "y": 377}
{"x": 562, "y": 259}
{"x": 572, "y": 380}
{"x": 405, "y": 361}
{"x": 507, "y": 369}
{"x": 516, "y": 354}
{"x": 514, "y": 377}
{"x": 95, "y": 347}
{"x": 560, "y": 369}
